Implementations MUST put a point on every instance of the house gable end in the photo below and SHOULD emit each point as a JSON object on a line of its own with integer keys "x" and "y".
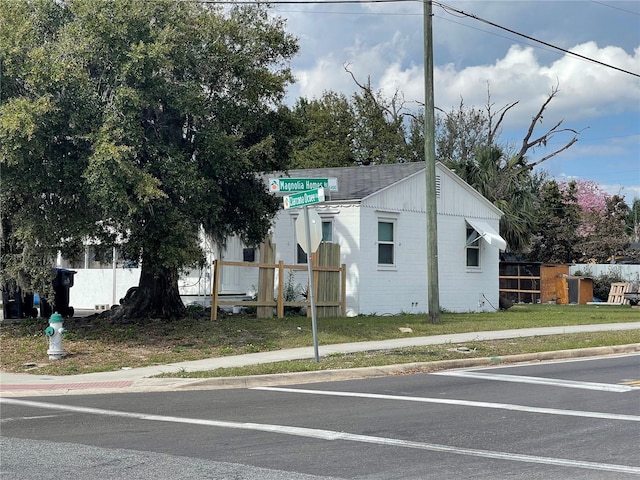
{"x": 459, "y": 198}
{"x": 407, "y": 195}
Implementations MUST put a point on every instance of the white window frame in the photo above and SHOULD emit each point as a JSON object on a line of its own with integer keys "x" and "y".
{"x": 472, "y": 243}
{"x": 393, "y": 242}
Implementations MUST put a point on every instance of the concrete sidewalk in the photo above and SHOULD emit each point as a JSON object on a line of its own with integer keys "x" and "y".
{"x": 138, "y": 379}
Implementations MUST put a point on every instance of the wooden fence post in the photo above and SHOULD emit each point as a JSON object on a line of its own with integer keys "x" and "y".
{"x": 343, "y": 290}
{"x": 280, "y": 307}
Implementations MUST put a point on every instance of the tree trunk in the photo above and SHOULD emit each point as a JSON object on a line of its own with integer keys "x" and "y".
{"x": 156, "y": 296}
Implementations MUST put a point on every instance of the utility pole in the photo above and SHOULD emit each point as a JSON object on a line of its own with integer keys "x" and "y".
{"x": 430, "y": 169}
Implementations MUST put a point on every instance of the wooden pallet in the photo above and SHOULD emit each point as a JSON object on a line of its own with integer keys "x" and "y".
{"x": 617, "y": 291}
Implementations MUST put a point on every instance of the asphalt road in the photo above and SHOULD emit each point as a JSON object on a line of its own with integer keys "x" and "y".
{"x": 556, "y": 420}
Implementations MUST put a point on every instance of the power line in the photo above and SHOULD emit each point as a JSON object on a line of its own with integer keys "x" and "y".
{"x": 617, "y": 8}
{"x": 493, "y": 34}
{"x": 533, "y": 45}
{"x": 420, "y": 14}
{"x": 447, "y": 8}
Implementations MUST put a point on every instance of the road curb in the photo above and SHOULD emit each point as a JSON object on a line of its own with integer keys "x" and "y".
{"x": 399, "y": 369}
{"x": 152, "y": 384}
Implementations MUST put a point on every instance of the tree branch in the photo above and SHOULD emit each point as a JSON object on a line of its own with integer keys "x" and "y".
{"x": 530, "y": 166}
{"x": 526, "y": 145}
{"x": 493, "y": 132}
{"x": 394, "y": 112}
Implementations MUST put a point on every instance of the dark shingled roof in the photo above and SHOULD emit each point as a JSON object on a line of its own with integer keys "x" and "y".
{"x": 356, "y": 183}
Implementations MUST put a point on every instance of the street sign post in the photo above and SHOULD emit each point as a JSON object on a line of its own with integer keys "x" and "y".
{"x": 304, "y": 199}
{"x": 312, "y": 298}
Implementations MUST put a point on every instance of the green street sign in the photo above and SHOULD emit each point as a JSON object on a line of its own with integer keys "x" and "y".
{"x": 303, "y": 198}
{"x": 302, "y": 184}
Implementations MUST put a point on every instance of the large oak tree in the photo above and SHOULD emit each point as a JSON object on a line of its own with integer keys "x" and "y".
{"x": 149, "y": 121}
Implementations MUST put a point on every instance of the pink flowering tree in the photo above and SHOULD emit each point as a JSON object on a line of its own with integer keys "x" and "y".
{"x": 591, "y": 197}
{"x": 610, "y": 237}
{"x": 602, "y": 231}
{"x": 592, "y": 201}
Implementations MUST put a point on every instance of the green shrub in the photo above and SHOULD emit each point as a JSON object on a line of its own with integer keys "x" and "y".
{"x": 602, "y": 284}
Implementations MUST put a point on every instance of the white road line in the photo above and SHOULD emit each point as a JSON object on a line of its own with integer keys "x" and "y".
{"x": 462, "y": 403}
{"x": 333, "y": 435}
{"x": 603, "y": 387}
{"x": 38, "y": 417}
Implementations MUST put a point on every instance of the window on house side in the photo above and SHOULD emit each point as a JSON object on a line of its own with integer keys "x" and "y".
{"x": 249, "y": 254}
{"x": 473, "y": 248}
{"x": 327, "y": 236}
{"x": 327, "y": 231}
{"x": 385, "y": 243}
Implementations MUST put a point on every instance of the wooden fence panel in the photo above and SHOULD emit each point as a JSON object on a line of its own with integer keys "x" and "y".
{"x": 328, "y": 285}
{"x": 329, "y": 278}
{"x": 266, "y": 277}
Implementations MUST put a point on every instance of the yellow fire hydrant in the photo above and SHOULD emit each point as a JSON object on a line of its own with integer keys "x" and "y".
{"x": 54, "y": 331}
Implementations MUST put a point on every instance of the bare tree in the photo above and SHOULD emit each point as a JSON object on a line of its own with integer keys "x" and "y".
{"x": 495, "y": 129}
{"x": 394, "y": 108}
{"x": 494, "y": 121}
{"x": 519, "y": 158}
{"x": 468, "y": 143}
{"x": 380, "y": 134}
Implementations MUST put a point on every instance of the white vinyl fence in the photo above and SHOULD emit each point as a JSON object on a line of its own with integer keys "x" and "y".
{"x": 629, "y": 273}
{"x": 100, "y": 288}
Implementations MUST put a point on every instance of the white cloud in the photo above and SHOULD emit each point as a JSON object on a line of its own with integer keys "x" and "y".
{"x": 326, "y": 74}
{"x": 589, "y": 89}
{"x": 586, "y": 90}
{"x": 409, "y": 81}
{"x": 628, "y": 192}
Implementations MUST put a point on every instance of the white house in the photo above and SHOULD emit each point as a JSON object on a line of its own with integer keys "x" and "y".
{"x": 378, "y": 217}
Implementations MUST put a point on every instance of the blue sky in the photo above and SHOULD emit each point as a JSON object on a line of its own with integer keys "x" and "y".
{"x": 384, "y": 41}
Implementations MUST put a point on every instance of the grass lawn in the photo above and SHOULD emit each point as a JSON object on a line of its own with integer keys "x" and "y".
{"x": 95, "y": 344}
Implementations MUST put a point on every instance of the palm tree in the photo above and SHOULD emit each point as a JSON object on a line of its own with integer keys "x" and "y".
{"x": 509, "y": 187}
